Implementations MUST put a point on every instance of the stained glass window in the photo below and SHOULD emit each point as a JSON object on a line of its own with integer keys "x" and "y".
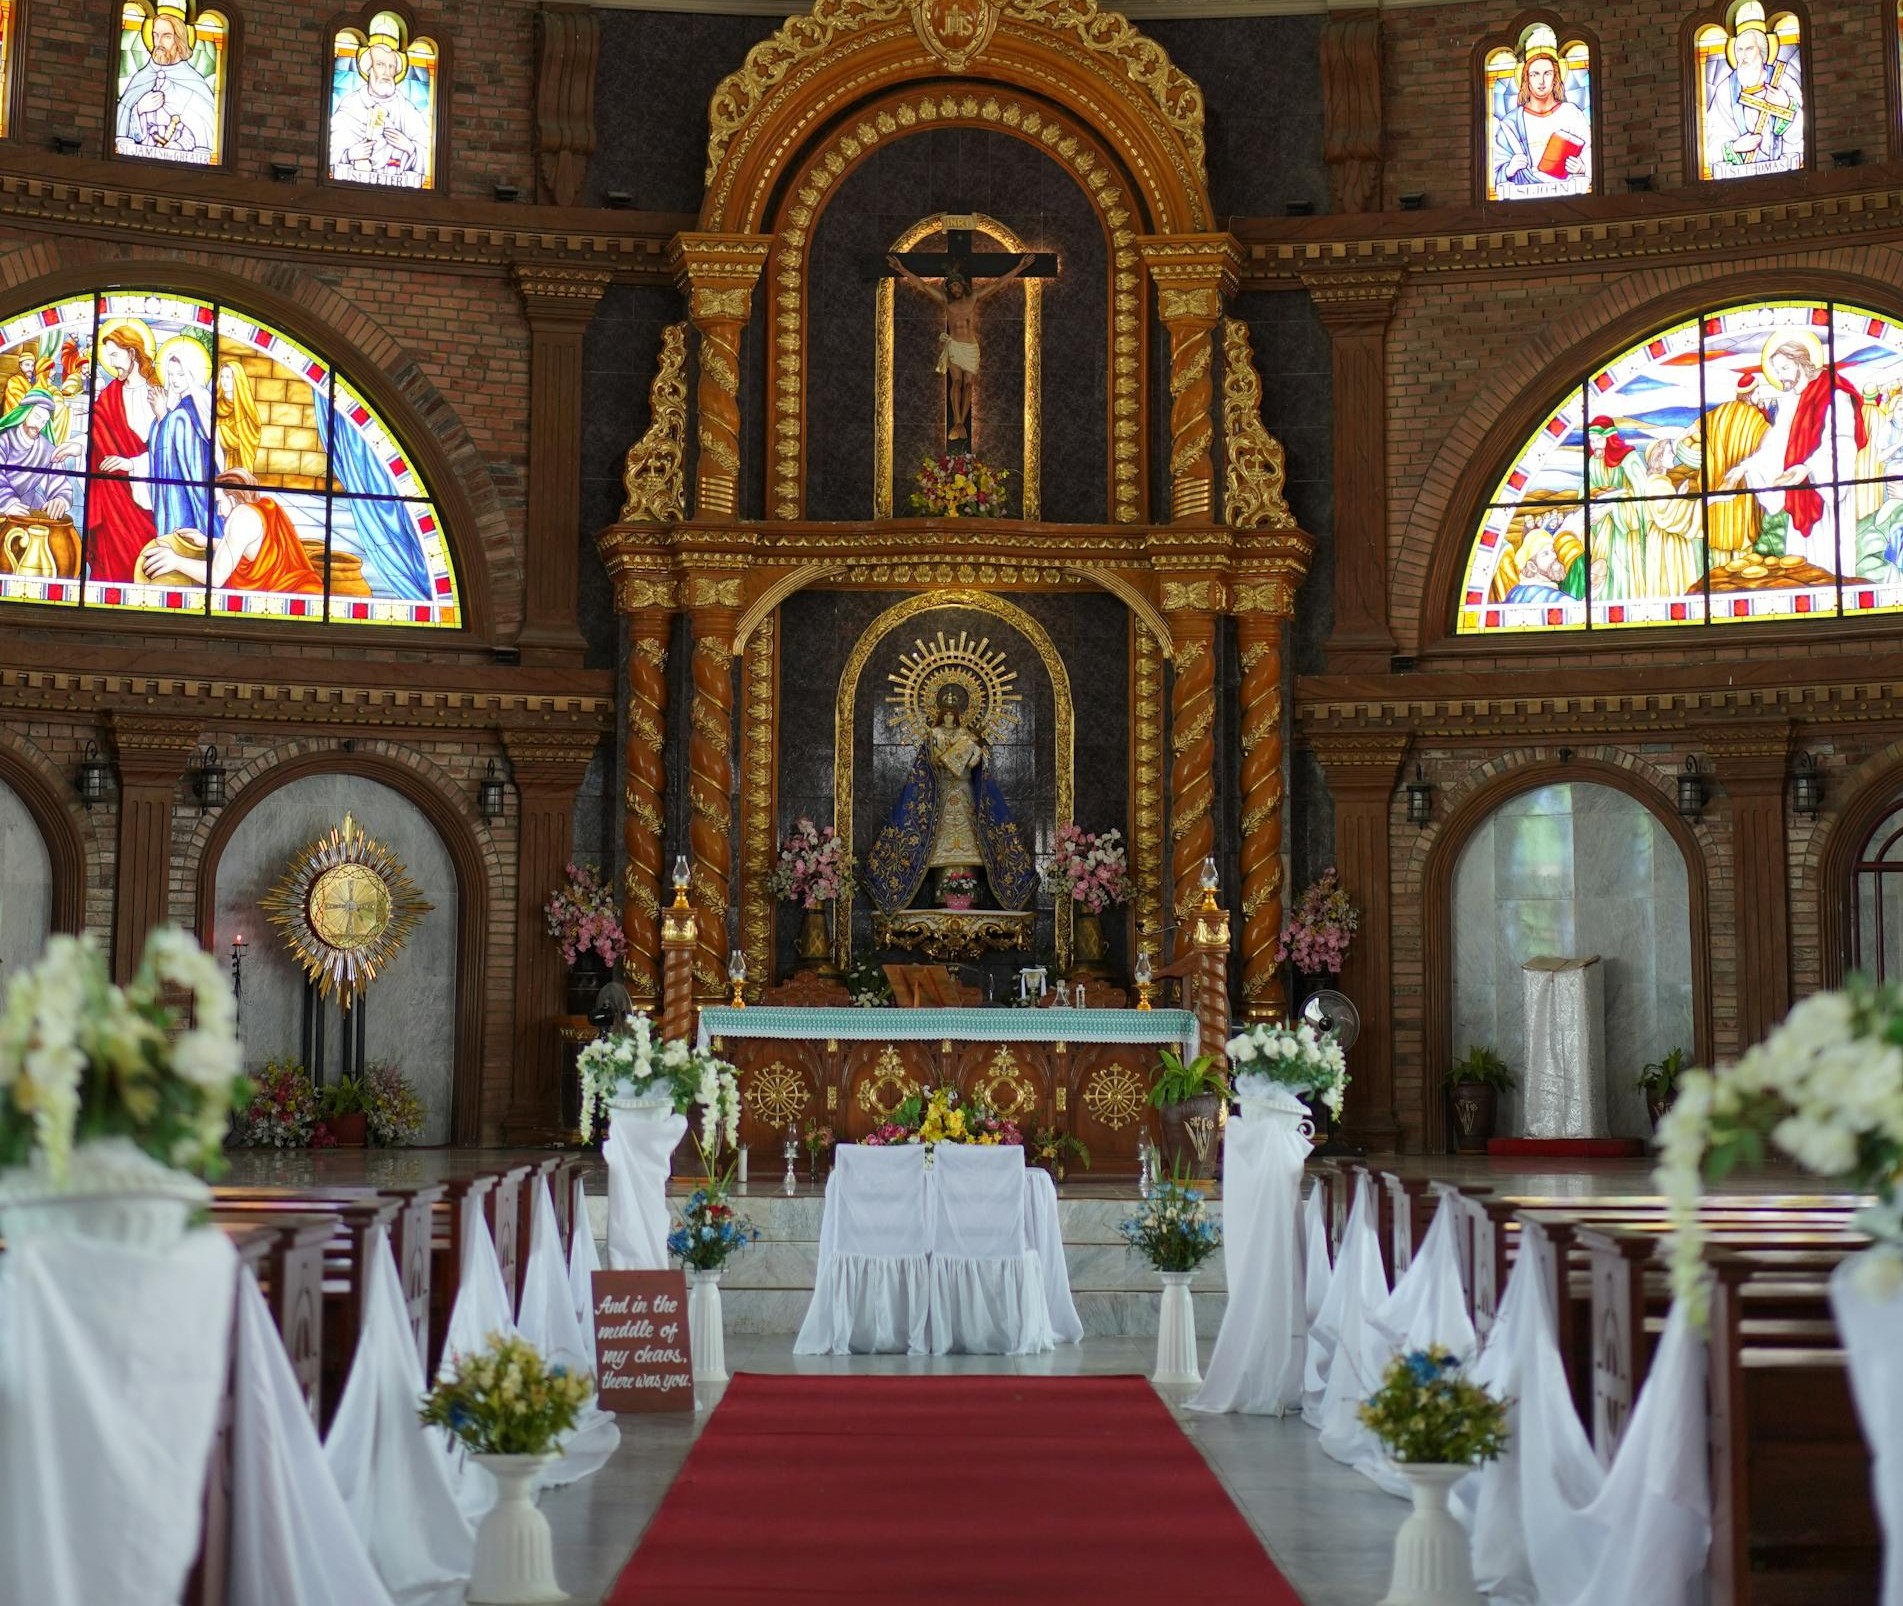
{"x": 1537, "y": 113}
{"x": 9, "y": 54}
{"x": 383, "y": 105}
{"x": 1750, "y": 93}
{"x": 170, "y": 82}
{"x": 1744, "y": 464}
{"x": 164, "y": 453}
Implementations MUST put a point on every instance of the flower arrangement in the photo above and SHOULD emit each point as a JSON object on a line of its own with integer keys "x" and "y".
{"x": 1047, "y": 1147}
{"x": 631, "y": 1061}
{"x": 1827, "y": 1088}
{"x": 1088, "y": 868}
{"x": 938, "y": 1116}
{"x": 959, "y": 884}
{"x": 867, "y": 985}
{"x": 959, "y": 485}
{"x": 817, "y": 1140}
{"x": 391, "y": 1108}
{"x": 282, "y": 1110}
{"x": 1317, "y": 933}
{"x": 1173, "y": 1230}
{"x": 1428, "y": 1412}
{"x": 1298, "y": 1058}
{"x": 709, "y": 1233}
{"x": 82, "y": 1059}
{"x": 505, "y": 1400}
{"x": 584, "y": 917}
{"x": 814, "y": 866}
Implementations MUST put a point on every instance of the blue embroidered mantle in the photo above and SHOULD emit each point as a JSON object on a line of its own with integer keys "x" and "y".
{"x": 896, "y": 866}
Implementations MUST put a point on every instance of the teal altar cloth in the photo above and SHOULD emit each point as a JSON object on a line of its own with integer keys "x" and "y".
{"x": 1174, "y": 1027}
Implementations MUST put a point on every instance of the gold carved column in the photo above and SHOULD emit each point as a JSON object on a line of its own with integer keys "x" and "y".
{"x": 718, "y": 272}
{"x": 713, "y": 602}
{"x": 1193, "y": 273}
{"x": 1192, "y": 606}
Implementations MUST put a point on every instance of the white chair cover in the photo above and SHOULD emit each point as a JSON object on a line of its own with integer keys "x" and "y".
{"x": 293, "y": 1542}
{"x": 480, "y": 1312}
{"x": 987, "y": 1287}
{"x": 872, "y": 1292}
{"x": 1357, "y": 1289}
{"x": 398, "y": 1479}
{"x": 112, "y": 1363}
{"x": 1872, "y": 1330}
{"x": 547, "y": 1320}
{"x": 1043, "y": 1233}
{"x": 1318, "y": 1272}
{"x": 639, "y": 1154}
{"x": 583, "y": 1263}
{"x": 1257, "y": 1364}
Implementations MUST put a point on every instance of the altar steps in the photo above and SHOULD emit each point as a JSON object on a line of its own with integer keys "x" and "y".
{"x": 766, "y": 1289}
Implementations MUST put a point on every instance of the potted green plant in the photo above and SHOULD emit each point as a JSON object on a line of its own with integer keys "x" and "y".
{"x": 1189, "y": 1096}
{"x": 1474, "y": 1086}
{"x": 1047, "y": 1147}
{"x": 345, "y": 1112}
{"x": 1658, "y": 1081}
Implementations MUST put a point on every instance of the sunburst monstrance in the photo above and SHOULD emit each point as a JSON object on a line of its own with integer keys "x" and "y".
{"x": 346, "y": 907}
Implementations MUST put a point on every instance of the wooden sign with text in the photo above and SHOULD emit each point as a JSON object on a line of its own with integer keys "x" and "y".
{"x": 642, "y": 1358}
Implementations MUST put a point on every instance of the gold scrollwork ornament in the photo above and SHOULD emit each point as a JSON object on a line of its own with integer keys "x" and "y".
{"x": 655, "y": 477}
{"x": 888, "y": 1087}
{"x": 1003, "y": 1073}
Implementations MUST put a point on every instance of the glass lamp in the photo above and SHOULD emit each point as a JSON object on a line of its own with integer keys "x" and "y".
{"x": 208, "y": 781}
{"x": 1691, "y": 790}
{"x": 737, "y": 977}
{"x": 1211, "y": 879}
{"x": 1807, "y": 787}
{"x": 95, "y": 777}
{"x": 681, "y": 877}
{"x": 489, "y": 793}
{"x": 1144, "y": 977}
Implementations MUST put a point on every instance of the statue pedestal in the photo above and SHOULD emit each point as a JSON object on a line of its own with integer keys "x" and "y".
{"x": 956, "y": 933}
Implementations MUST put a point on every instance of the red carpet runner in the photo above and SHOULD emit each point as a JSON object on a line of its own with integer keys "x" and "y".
{"x": 901, "y": 1489}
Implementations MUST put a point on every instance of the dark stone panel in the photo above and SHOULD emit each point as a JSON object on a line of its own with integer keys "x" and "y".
{"x": 656, "y": 73}
{"x": 1262, "y": 123}
{"x": 956, "y": 170}
{"x": 1312, "y": 816}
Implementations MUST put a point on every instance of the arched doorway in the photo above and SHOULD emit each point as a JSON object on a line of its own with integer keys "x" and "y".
{"x": 1875, "y": 935}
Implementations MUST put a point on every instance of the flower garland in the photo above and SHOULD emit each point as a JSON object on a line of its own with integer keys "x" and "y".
{"x": 814, "y": 867}
{"x": 81, "y": 1058}
{"x": 1826, "y": 1087}
{"x": 632, "y": 1062}
{"x": 959, "y": 485}
{"x": 585, "y": 917}
{"x": 1088, "y": 868}
{"x": 1317, "y": 932}
{"x": 1298, "y": 1058}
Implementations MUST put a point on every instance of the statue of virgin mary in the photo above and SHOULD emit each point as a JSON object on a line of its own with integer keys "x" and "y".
{"x": 950, "y": 817}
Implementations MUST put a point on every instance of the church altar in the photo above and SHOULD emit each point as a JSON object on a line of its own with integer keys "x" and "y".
{"x": 1083, "y": 1071}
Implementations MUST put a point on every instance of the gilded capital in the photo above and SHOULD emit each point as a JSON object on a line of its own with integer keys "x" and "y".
{"x": 1193, "y": 272}
{"x": 718, "y": 270}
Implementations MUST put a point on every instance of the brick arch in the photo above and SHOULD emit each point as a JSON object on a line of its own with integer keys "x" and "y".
{"x": 472, "y": 854}
{"x": 1430, "y": 558}
{"x": 1871, "y": 791}
{"x": 482, "y": 541}
{"x": 1429, "y": 876}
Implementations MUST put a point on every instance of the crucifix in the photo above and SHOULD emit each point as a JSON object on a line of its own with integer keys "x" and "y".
{"x": 961, "y": 269}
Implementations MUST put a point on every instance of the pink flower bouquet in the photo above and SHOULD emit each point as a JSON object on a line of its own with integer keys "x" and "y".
{"x": 584, "y": 917}
{"x": 814, "y": 867}
{"x": 1317, "y": 932}
{"x": 1089, "y": 869}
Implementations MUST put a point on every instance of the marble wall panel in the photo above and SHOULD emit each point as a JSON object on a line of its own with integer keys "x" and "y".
{"x": 26, "y": 886}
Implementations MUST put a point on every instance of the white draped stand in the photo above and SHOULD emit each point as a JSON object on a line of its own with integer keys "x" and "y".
{"x": 548, "y": 1320}
{"x": 1872, "y": 1329}
{"x": 987, "y": 1292}
{"x": 639, "y": 1151}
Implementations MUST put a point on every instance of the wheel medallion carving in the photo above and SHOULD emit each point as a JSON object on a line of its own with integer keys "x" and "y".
{"x": 777, "y": 1095}
{"x": 1114, "y": 1097}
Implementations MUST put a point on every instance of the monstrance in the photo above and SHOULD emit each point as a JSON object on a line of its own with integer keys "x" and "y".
{"x": 345, "y": 906}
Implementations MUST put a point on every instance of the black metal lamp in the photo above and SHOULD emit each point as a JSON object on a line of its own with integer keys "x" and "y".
{"x": 1420, "y": 799}
{"x": 1691, "y": 790}
{"x": 1807, "y": 787}
{"x": 489, "y": 793}
{"x": 95, "y": 777}
{"x": 208, "y": 781}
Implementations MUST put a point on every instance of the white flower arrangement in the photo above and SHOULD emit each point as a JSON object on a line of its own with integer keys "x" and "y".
{"x": 1827, "y": 1088}
{"x": 1299, "y": 1058}
{"x": 81, "y": 1058}
{"x": 631, "y": 1062}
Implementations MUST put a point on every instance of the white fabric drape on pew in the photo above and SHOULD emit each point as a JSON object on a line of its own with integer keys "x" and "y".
{"x": 1257, "y": 1364}
{"x": 293, "y": 1542}
{"x": 583, "y": 1263}
{"x": 1318, "y": 1272}
{"x": 639, "y": 1152}
{"x": 872, "y": 1291}
{"x": 112, "y": 1363}
{"x": 1044, "y": 1234}
{"x": 988, "y": 1293}
{"x": 1872, "y": 1331}
{"x": 547, "y": 1320}
{"x": 398, "y": 1478}
{"x": 1357, "y": 1289}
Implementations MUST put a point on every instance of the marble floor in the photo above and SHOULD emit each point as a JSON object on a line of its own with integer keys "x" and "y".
{"x": 1327, "y": 1528}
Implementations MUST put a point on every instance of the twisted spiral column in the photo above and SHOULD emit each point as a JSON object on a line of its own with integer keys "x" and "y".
{"x": 718, "y": 272}
{"x": 1259, "y": 636}
{"x": 1192, "y": 757}
{"x": 1192, "y": 431}
{"x": 710, "y": 789}
{"x": 643, "y": 828}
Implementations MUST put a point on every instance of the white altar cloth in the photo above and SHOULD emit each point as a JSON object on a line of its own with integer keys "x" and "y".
{"x": 1174, "y": 1027}
{"x": 1563, "y": 1093}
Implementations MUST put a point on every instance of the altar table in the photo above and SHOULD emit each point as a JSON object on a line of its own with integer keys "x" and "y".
{"x": 1083, "y": 1071}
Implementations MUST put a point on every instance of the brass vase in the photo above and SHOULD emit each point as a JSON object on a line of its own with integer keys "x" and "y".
{"x": 1088, "y": 947}
{"x": 813, "y": 947}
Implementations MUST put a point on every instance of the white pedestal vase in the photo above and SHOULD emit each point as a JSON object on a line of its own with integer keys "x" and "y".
{"x": 1176, "y": 1333}
{"x": 1870, "y": 1317}
{"x": 515, "y": 1553}
{"x": 1432, "y": 1564}
{"x": 705, "y": 1326}
{"x": 113, "y": 1192}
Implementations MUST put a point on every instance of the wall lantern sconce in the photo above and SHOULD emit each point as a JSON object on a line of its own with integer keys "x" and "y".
{"x": 1420, "y": 799}
{"x": 95, "y": 777}
{"x": 1691, "y": 790}
{"x": 208, "y": 781}
{"x": 1807, "y": 787}
{"x": 489, "y": 793}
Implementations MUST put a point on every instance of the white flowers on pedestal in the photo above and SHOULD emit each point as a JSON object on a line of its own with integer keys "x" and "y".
{"x": 632, "y": 1070}
{"x": 1297, "y": 1058}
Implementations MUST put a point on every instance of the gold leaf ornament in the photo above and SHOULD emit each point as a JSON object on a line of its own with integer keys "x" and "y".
{"x": 346, "y": 906}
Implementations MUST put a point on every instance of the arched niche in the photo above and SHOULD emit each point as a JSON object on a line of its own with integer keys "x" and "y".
{"x": 423, "y": 1009}
{"x": 27, "y": 888}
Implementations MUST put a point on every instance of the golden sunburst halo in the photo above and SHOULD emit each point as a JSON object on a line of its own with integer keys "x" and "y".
{"x": 977, "y": 666}
{"x": 346, "y": 906}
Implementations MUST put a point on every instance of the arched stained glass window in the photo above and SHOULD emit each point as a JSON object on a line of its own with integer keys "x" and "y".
{"x": 168, "y": 454}
{"x": 1744, "y": 464}
{"x": 1538, "y": 116}
{"x": 1750, "y": 86}
{"x": 383, "y": 92}
{"x": 173, "y": 64}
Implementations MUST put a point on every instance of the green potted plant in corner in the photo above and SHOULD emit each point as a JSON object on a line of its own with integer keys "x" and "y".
{"x": 1474, "y": 1086}
{"x": 1658, "y": 1081}
{"x": 1189, "y": 1097}
{"x": 345, "y": 1112}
